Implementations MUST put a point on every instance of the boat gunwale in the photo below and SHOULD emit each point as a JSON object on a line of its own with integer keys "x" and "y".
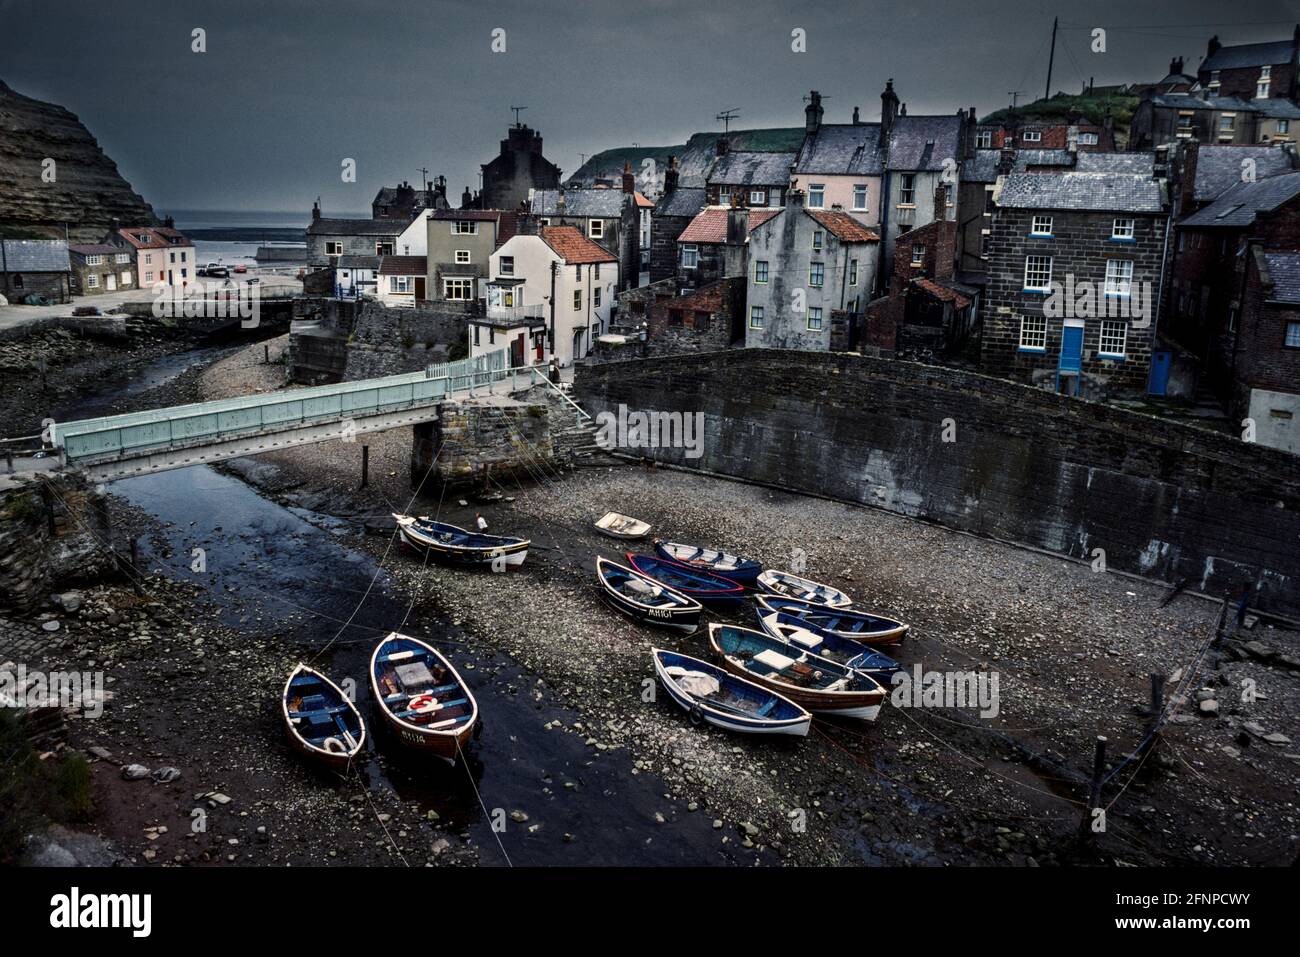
{"x": 453, "y": 733}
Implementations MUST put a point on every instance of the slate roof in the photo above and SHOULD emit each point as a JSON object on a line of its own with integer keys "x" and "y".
{"x": 683, "y": 201}
{"x": 1143, "y": 163}
{"x": 95, "y": 249}
{"x": 357, "y": 262}
{"x": 466, "y": 214}
{"x": 404, "y": 266}
{"x": 984, "y": 167}
{"x": 357, "y": 227}
{"x": 924, "y": 142}
{"x": 944, "y": 293}
{"x": 573, "y": 247}
{"x": 1284, "y": 271}
{"x": 843, "y": 226}
{"x": 1249, "y": 54}
{"x": 1219, "y": 167}
{"x": 1117, "y": 192}
{"x": 1277, "y": 108}
{"x": 591, "y": 203}
{"x": 1239, "y": 204}
{"x": 710, "y": 226}
{"x": 36, "y": 255}
{"x": 1186, "y": 101}
{"x": 842, "y": 150}
{"x": 752, "y": 168}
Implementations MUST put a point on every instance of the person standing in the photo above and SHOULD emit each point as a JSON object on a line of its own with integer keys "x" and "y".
{"x": 480, "y": 521}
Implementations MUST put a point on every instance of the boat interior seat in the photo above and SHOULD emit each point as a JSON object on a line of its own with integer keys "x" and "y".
{"x": 768, "y": 708}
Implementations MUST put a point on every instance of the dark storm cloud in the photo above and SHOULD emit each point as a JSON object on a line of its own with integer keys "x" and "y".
{"x": 286, "y": 90}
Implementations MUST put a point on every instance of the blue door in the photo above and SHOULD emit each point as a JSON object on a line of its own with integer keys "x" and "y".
{"x": 1071, "y": 362}
{"x": 1158, "y": 383}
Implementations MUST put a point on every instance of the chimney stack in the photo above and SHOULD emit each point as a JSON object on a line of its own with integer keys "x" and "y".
{"x": 629, "y": 181}
{"x": 1212, "y": 47}
{"x": 670, "y": 175}
{"x": 1176, "y": 66}
{"x": 888, "y": 110}
{"x": 1006, "y": 161}
{"x": 721, "y": 146}
{"x": 813, "y": 112}
{"x": 856, "y": 120}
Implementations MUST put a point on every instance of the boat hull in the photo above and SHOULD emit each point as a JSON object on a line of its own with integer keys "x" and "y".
{"x": 883, "y": 631}
{"x": 712, "y": 589}
{"x": 795, "y": 727}
{"x": 339, "y": 761}
{"x": 445, "y": 743}
{"x": 862, "y": 704}
{"x": 787, "y": 585}
{"x": 745, "y": 572}
{"x": 501, "y": 556}
{"x": 684, "y": 616}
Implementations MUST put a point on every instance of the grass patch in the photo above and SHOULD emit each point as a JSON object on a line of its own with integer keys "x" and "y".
{"x": 36, "y": 793}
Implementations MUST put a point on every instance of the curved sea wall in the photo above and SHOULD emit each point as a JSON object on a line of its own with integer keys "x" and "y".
{"x": 984, "y": 455}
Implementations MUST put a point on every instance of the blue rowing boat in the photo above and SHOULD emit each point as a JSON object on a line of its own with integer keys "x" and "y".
{"x": 693, "y": 582}
{"x": 742, "y": 571}
{"x": 774, "y": 582}
{"x": 322, "y": 722}
{"x": 842, "y": 622}
{"x": 724, "y": 700}
{"x": 849, "y": 652}
{"x": 645, "y": 599}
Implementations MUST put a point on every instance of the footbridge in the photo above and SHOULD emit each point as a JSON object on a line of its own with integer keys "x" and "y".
{"x": 120, "y": 446}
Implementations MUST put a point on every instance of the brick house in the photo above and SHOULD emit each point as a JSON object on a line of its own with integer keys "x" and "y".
{"x": 708, "y": 318}
{"x": 98, "y": 268}
{"x": 1251, "y": 71}
{"x": 810, "y": 275}
{"x": 517, "y": 171}
{"x": 714, "y": 245}
{"x": 748, "y": 177}
{"x": 1075, "y": 263}
{"x": 1266, "y": 347}
{"x": 673, "y": 213}
{"x": 1076, "y": 132}
{"x": 608, "y": 217}
{"x": 1205, "y": 304}
{"x": 164, "y": 256}
{"x": 1204, "y": 117}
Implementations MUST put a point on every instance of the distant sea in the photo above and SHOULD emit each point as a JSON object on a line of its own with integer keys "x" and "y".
{"x": 231, "y": 236}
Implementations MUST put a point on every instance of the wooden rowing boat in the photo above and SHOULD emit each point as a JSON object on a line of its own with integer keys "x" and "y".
{"x": 742, "y": 571}
{"x": 713, "y": 695}
{"x": 852, "y": 653}
{"x": 453, "y": 545}
{"x": 842, "y": 622}
{"x": 621, "y": 526}
{"x": 775, "y": 582}
{"x": 322, "y": 723}
{"x": 421, "y": 697}
{"x": 693, "y": 582}
{"x": 645, "y": 599}
{"x": 821, "y": 686}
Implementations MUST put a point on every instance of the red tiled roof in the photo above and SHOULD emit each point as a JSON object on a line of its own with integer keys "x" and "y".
{"x": 943, "y": 293}
{"x": 404, "y": 266}
{"x": 643, "y": 202}
{"x": 573, "y": 247}
{"x": 160, "y": 237}
{"x": 507, "y": 227}
{"x": 710, "y": 225}
{"x": 843, "y": 226}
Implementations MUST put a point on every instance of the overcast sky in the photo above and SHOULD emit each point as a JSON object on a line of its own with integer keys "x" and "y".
{"x": 288, "y": 88}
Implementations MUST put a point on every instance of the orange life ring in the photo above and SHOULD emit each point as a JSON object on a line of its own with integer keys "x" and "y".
{"x": 423, "y": 704}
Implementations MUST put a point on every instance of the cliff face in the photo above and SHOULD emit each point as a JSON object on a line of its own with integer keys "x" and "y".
{"x": 88, "y": 192}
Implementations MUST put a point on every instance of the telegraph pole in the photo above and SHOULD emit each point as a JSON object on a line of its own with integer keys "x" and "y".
{"x": 1051, "y": 58}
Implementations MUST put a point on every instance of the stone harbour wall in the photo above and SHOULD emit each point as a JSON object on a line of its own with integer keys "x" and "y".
{"x": 50, "y": 532}
{"x": 503, "y": 440}
{"x": 1161, "y": 499}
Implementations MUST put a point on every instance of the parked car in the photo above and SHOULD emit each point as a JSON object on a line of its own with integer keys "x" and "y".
{"x": 215, "y": 270}
{"x": 241, "y": 268}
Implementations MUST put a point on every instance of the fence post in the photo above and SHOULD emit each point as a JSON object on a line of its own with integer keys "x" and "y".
{"x": 1094, "y": 790}
{"x": 365, "y": 465}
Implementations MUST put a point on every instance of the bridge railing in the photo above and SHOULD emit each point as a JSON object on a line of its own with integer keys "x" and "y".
{"x": 138, "y": 433}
